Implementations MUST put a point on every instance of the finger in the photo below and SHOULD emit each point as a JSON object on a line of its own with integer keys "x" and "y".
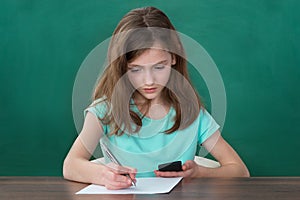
{"x": 169, "y": 174}
{"x": 132, "y": 176}
{"x": 120, "y": 174}
{"x": 127, "y": 170}
{"x": 116, "y": 185}
{"x": 131, "y": 169}
{"x": 119, "y": 178}
{"x": 188, "y": 165}
{"x": 117, "y": 181}
{"x": 121, "y": 169}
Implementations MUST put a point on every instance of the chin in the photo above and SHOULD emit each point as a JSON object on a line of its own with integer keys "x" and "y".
{"x": 150, "y": 96}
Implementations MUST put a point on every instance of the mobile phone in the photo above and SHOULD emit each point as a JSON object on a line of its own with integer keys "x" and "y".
{"x": 170, "y": 167}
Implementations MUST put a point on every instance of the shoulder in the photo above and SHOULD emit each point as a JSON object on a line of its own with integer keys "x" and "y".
{"x": 207, "y": 125}
{"x": 100, "y": 107}
{"x": 205, "y": 115}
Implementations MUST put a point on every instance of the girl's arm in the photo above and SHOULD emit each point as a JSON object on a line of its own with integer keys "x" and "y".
{"x": 231, "y": 164}
{"x": 77, "y": 166}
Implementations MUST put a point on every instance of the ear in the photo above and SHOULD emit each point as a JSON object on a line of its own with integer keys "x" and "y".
{"x": 173, "y": 60}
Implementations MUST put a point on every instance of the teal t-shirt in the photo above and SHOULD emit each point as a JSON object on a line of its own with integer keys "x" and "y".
{"x": 150, "y": 146}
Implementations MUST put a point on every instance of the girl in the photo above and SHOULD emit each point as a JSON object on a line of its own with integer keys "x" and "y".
{"x": 146, "y": 111}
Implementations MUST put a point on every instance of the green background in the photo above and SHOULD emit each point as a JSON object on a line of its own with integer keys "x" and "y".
{"x": 254, "y": 43}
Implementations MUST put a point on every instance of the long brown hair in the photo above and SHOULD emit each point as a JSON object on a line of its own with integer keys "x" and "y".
{"x": 137, "y": 31}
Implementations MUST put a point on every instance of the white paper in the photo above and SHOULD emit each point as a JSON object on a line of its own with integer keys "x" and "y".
{"x": 143, "y": 186}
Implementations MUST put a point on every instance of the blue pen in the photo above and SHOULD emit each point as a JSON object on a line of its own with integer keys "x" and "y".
{"x": 113, "y": 159}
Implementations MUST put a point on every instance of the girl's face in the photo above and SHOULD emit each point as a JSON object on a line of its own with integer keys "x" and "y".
{"x": 150, "y": 72}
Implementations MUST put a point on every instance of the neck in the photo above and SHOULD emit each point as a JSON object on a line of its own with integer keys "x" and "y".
{"x": 157, "y": 108}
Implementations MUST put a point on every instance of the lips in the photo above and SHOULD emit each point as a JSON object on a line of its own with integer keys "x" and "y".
{"x": 149, "y": 90}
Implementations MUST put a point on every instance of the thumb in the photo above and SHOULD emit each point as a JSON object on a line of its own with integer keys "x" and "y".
{"x": 187, "y": 165}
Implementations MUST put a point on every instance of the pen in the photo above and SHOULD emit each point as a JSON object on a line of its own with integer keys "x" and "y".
{"x": 114, "y": 159}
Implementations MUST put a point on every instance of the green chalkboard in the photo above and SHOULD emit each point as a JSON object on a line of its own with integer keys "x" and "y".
{"x": 255, "y": 45}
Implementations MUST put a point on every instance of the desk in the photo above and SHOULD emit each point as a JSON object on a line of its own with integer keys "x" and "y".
{"x": 205, "y": 188}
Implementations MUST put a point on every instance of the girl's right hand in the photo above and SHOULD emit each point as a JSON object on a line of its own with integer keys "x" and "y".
{"x": 113, "y": 176}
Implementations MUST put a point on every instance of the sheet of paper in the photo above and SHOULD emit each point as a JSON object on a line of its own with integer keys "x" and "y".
{"x": 143, "y": 186}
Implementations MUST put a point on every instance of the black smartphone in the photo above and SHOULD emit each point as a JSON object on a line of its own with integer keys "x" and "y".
{"x": 170, "y": 167}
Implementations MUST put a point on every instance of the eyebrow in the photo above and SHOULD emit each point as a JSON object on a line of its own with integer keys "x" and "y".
{"x": 160, "y": 62}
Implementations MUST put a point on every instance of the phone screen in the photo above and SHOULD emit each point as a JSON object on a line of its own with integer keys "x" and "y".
{"x": 170, "y": 167}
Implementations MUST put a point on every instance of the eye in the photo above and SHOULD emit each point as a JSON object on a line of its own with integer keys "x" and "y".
{"x": 135, "y": 69}
{"x": 159, "y": 67}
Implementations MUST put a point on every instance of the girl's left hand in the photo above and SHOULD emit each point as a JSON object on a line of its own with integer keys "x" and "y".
{"x": 189, "y": 169}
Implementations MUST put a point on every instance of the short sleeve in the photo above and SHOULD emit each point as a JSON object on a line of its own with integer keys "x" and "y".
{"x": 207, "y": 126}
{"x": 98, "y": 108}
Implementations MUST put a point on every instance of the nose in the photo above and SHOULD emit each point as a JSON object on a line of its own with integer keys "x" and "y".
{"x": 148, "y": 78}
